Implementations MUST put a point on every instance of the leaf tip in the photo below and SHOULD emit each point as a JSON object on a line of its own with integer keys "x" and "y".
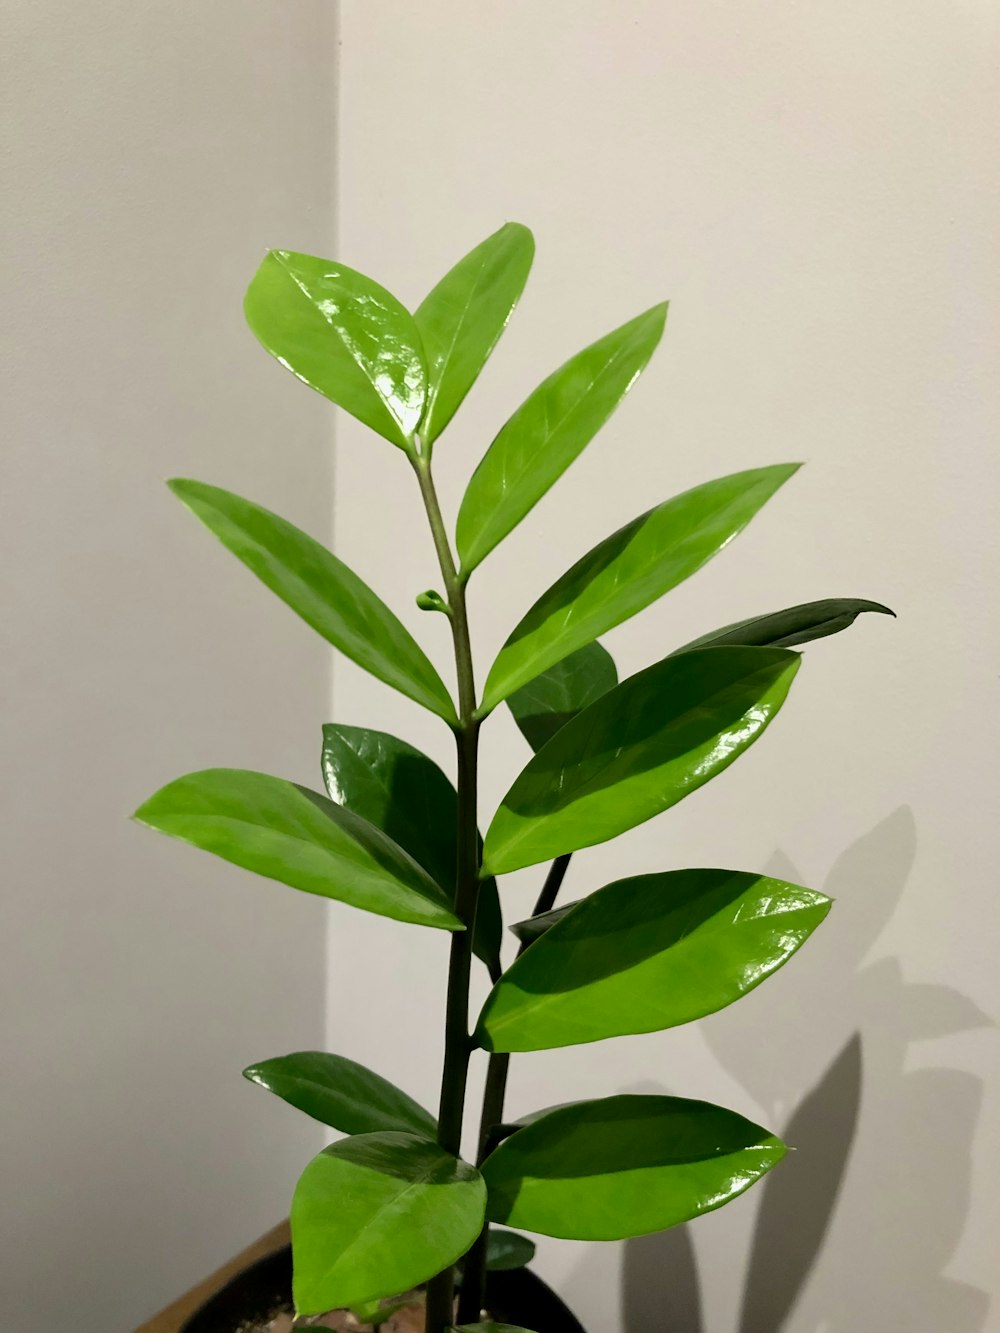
{"x": 188, "y": 491}
{"x": 520, "y": 229}
{"x": 140, "y": 815}
{"x": 785, "y": 470}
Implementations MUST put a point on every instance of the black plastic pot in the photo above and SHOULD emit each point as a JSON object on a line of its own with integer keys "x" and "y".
{"x": 517, "y": 1296}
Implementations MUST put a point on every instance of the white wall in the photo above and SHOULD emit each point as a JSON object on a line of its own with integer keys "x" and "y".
{"x": 155, "y": 149}
{"x": 814, "y": 186}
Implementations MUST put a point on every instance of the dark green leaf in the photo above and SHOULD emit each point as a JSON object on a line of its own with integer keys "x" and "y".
{"x": 487, "y": 935}
{"x": 648, "y": 953}
{"x": 462, "y": 318}
{"x": 340, "y": 1093}
{"x": 625, "y": 1166}
{"x": 378, "y": 1214}
{"x": 321, "y": 589}
{"x": 506, "y": 1250}
{"x": 288, "y": 833}
{"x": 533, "y": 927}
{"x": 637, "y": 751}
{"x": 344, "y": 335}
{"x": 530, "y": 1117}
{"x": 628, "y": 571}
{"x": 548, "y": 431}
{"x": 547, "y": 703}
{"x": 398, "y": 789}
{"x": 796, "y": 624}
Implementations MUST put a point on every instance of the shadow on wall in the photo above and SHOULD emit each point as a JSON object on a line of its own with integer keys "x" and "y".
{"x": 883, "y": 1166}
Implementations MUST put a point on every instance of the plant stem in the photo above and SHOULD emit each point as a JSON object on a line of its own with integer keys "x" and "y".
{"x": 494, "y": 1093}
{"x": 440, "y": 1290}
{"x": 553, "y": 883}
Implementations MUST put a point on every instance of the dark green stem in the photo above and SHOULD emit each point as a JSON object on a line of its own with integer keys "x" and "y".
{"x": 457, "y": 1048}
{"x": 494, "y": 1093}
{"x": 550, "y": 889}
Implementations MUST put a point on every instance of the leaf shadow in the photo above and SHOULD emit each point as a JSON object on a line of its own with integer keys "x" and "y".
{"x": 856, "y": 1229}
{"x": 798, "y": 1203}
{"x": 874, "y": 1178}
{"x": 660, "y": 1285}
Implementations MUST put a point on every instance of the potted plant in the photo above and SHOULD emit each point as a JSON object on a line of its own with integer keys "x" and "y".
{"x": 391, "y": 1209}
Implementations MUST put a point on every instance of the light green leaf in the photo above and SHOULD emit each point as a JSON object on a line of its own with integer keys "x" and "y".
{"x": 378, "y": 1214}
{"x": 648, "y": 953}
{"x": 637, "y": 751}
{"x": 321, "y": 589}
{"x": 288, "y": 833}
{"x": 547, "y": 703}
{"x": 399, "y": 790}
{"x": 625, "y": 1166}
{"x": 506, "y": 1250}
{"x": 796, "y": 624}
{"x": 462, "y": 318}
{"x": 628, "y": 571}
{"x": 344, "y": 335}
{"x": 340, "y": 1093}
{"x": 548, "y": 431}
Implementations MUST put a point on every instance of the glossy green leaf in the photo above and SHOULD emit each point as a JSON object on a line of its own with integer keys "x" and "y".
{"x": 462, "y": 318}
{"x": 321, "y": 589}
{"x": 637, "y": 751}
{"x": 506, "y": 1250}
{"x": 547, "y": 703}
{"x": 377, "y": 1214}
{"x": 288, "y": 833}
{"x": 628, "y": 571}
{"x": 398, "y": 789}
{"x": 796, "y": 624}
{"x": 625, "y": 1166}
{"x": 340, "y": 1093}
{"x": 548, "y": 431}
{"x": 344, "y": 335}
{"x": 648, "y": 953}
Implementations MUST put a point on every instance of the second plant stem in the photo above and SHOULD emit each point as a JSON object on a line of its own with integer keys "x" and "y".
{"x": 441, "y": 1289}
{"x": 495, "y": 1091}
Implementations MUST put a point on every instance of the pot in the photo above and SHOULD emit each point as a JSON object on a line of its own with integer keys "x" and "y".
{"x": 260, "y": 1279}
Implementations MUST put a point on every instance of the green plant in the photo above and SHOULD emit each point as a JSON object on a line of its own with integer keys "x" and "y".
{"x": 393, "y": 1205}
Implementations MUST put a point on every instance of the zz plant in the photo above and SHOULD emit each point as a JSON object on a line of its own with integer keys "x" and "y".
{"x": 393, "y": 1205}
